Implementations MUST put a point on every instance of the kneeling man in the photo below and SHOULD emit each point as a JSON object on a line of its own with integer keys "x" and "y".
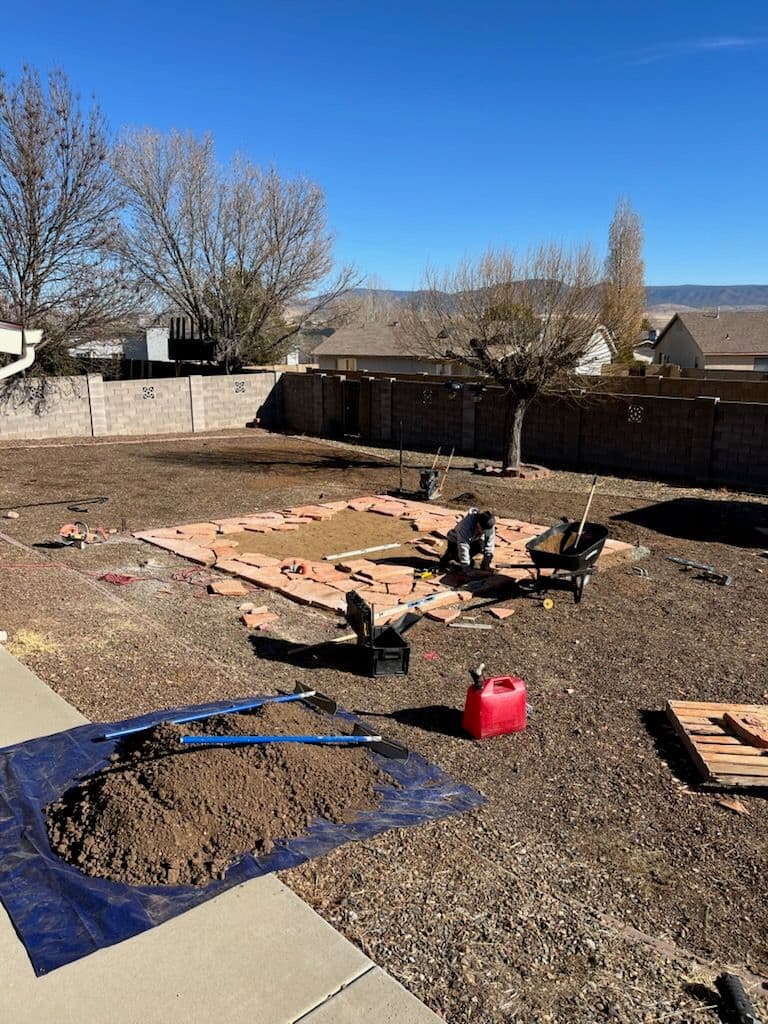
{"x": 472, "y": 535}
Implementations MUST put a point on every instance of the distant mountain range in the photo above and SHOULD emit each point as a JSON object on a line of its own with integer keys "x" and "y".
{"x": 662, "y": 301}
{"x": 704, "y": 296}
{"x": 692, "y": 296}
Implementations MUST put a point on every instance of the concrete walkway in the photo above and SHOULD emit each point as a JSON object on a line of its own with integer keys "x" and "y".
{"x": 257, "y": 953}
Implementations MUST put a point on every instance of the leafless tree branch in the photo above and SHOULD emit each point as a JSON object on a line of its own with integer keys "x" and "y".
{"x": 239, "y": 245}
{"x": 525, "y": 322}
{"x": 58, "y": 215}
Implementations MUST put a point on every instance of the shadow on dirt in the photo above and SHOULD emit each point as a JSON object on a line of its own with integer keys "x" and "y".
{"x": 344, "y": 657}
{"x": 702, "y": 519}
{"x": 670, "y": 749}
{"x": 708, "y": 997}
{"x": 669, "y": 746}
{"x": 431, "y": 718}
{"x": 267, "y": 460}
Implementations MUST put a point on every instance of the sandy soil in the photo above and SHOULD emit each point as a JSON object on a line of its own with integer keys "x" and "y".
{"x": 600, "y": 882}
{"x": 347, "y": 530}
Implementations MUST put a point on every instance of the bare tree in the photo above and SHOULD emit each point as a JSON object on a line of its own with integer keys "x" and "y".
{"x": 525, "y": 323}
{"x": 58, "y": 208}
{"x": 624, "y": 301}
{"x": 241, "y": 246}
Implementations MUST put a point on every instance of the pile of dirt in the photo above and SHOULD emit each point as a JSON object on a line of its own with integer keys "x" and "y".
{"x": 163, "y": 814}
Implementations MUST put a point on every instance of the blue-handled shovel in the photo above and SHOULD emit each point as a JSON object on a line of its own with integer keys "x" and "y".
{"x": 360, "y": 735}
{"x": 312, "y": 697}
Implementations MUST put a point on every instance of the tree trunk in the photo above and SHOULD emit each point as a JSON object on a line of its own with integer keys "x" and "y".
{"x": 513, "y": 428}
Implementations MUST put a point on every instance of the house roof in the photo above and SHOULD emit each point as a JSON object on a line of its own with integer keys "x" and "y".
{"x": 725, "y": 333}
{"x": 384, "y": 339}
{"x": 370, "y": 339}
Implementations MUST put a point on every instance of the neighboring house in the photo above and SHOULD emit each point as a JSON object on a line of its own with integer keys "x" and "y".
{"x": 381, "y": 348}
{"x": 643, "y": 351}
{"x": 151, "y": 348}
{"x": 107, "y": 348}
{"x": 728, "y": 340}
{"x": 601, "y": 352}
{"x": 377, "y": 348}
{"x": 164, "y": 345}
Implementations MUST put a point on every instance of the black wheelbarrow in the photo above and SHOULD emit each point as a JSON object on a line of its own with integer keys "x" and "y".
{"x": 556, "y": 550}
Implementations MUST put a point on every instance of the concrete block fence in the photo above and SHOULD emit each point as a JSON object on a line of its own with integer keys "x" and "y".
{"x": 700, "y": 439}
{"x": 92, "y": 407}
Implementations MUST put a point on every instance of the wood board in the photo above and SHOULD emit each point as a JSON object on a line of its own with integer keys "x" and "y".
{"x": 718, "y": 754}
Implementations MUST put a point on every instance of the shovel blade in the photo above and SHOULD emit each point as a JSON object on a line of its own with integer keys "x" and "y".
{"x": 387, "y": 748}
{"x": 318, "y": 700}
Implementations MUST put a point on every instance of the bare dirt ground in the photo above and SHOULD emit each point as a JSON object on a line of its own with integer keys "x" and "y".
{"x": 599, "y": 882}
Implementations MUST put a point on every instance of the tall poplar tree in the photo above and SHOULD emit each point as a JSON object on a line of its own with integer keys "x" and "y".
{"x": 624, "y": 295}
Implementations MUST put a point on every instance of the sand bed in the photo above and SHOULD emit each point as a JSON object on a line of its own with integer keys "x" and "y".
{"x": 345, "y": 531}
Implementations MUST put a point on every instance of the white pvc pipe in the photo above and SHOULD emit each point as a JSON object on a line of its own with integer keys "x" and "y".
{"x": 27, "y": 357}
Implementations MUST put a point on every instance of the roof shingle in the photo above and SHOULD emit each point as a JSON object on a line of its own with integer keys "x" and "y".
{"x": 727, "y": 333}
{"x": 370, "y": 339}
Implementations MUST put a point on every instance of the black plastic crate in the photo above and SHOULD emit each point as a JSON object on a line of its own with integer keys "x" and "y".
{"x": 382, "y": 650}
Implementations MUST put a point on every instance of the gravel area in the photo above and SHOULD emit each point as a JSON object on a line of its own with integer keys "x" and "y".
{"x": 600, "y": 882}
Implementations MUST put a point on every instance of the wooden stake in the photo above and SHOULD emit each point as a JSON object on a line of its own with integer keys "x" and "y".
{"x": 586, "y": 512}
{"x": 361, "y": 551}
{"x": 445, "y": 474}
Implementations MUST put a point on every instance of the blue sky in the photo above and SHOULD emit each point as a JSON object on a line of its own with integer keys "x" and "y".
{"x": 438, "y": 128}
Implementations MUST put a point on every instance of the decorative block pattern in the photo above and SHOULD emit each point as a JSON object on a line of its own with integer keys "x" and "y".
{"x": 635, "y": 414}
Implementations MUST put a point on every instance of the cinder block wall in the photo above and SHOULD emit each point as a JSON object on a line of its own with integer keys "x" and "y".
{"x": 700, "y": 439}
{"x": 235, "y": 400}
{"x": 298, "y": 404}
{"x": 148, "y": 406}
{"x": 61, "y": 410}
{"x": 740, "y": 443}
{"x": 429, "y": 414}
{"x": 90, "y": 406}
{"x": 685, "y": 387}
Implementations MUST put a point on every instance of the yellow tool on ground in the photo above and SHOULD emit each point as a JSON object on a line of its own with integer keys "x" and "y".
{"x": 78, "y": 535}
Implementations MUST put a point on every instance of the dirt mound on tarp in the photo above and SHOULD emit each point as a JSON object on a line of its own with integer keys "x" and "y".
{"x": 165, "y": 814}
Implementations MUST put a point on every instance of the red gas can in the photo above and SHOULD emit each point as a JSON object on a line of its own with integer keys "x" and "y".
{"x": 495, "y": 708}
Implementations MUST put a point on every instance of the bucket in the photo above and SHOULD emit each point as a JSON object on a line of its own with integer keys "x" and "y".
{"x": 497, "y": 708}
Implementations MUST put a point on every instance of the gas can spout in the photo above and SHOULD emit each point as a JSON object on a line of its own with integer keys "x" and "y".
{"x": 477, "y": 675}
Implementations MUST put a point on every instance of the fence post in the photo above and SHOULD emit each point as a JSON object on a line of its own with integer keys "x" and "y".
{"x": 98, "y": 404}
{"x": 318, "y": 417}
{"x": 381, "y": 410}
{"x": 468, "y": 421}
{"x": 197, "y": 402}
{"x": 367, "y": 414}
{"x": 703, "y": 436}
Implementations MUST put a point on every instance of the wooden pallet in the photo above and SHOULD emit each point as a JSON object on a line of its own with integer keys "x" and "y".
{"x": 718, "y": 754}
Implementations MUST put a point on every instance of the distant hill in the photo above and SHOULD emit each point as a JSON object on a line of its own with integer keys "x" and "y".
{"x": 694, "y": 296}
{"x": 703, "y": 296}
{"x": 662, "y": 301}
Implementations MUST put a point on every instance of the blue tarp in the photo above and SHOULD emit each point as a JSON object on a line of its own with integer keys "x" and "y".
{"x": 61, "y": 914}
